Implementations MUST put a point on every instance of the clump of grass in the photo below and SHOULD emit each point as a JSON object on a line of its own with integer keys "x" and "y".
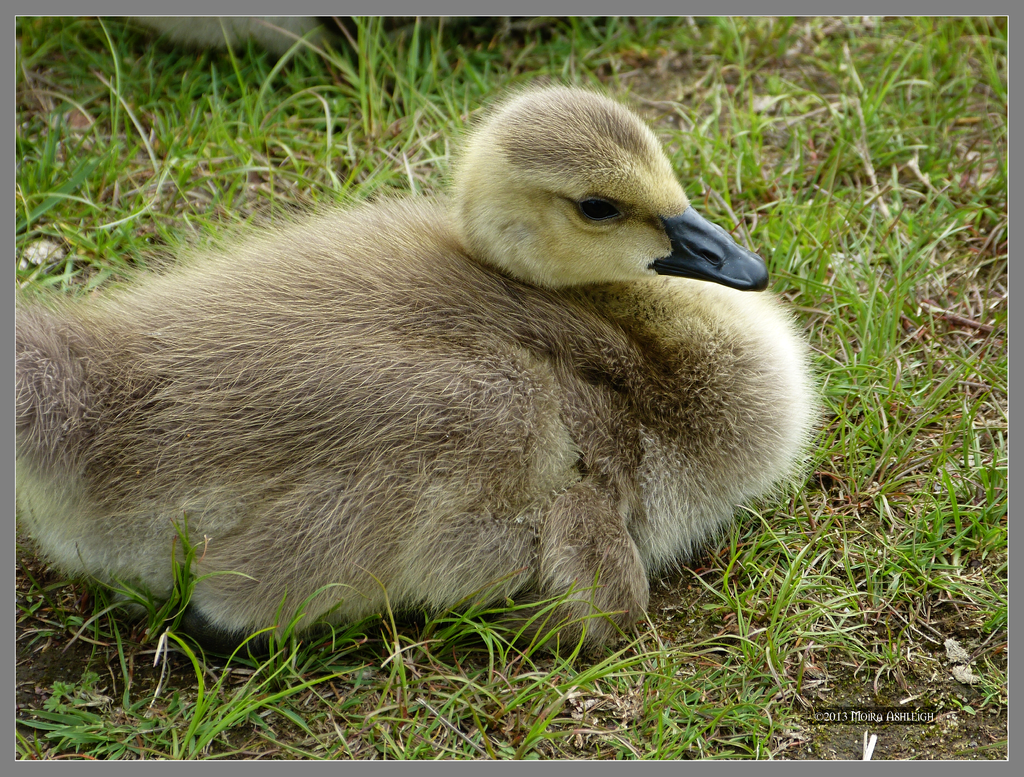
{"x": 864, "y": 158}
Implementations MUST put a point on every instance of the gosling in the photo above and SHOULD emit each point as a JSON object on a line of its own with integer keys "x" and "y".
{"x": 554, "y": 385}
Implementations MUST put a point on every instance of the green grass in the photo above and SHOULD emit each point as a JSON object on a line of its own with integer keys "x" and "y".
{"x": 865, "y": 159}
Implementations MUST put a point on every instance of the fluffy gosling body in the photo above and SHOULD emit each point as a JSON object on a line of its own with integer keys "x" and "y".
{"x": 560, "y": 379}
{"x": 276, "y": 34}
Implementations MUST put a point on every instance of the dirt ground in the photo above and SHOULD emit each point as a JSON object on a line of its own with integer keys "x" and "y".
{"x": 954, "y": 734}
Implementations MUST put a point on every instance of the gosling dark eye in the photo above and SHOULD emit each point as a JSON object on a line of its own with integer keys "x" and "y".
{"x": 598, "y": 210}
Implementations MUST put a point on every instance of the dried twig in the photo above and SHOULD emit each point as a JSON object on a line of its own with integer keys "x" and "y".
{"x": 954, "y": 318}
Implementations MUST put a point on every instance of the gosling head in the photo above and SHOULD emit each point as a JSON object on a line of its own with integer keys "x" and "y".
{"x": 564, "y": 187}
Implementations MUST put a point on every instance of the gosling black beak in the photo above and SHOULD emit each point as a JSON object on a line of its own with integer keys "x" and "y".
{"x": 707, "y": 252}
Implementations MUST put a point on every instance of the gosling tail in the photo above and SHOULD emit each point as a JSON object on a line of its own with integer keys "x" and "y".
{"x": 56, "y": 402}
